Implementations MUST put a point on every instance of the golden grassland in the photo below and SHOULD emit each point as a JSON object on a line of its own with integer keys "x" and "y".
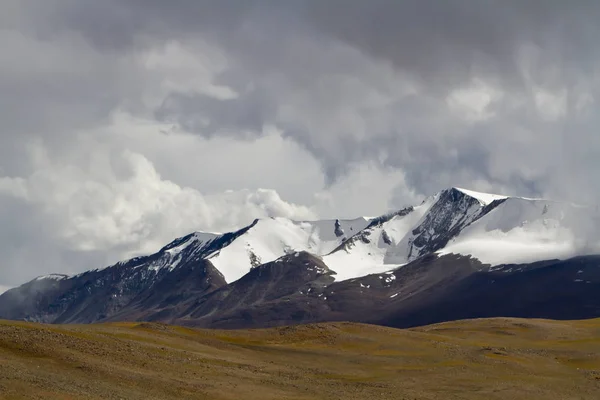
{"x": 477, "y": 359}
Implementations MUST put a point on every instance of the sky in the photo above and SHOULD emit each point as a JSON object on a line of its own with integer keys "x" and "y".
{"x": 127, "y": 123}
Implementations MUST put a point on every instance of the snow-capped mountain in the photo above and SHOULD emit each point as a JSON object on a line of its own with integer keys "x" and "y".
{"x": 234, "y": 254}
{"x": 495, "y": 229}
{"x": 184, "y": 280}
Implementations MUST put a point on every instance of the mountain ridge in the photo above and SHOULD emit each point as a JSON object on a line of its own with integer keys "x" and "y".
{"x": 264, "y": 273}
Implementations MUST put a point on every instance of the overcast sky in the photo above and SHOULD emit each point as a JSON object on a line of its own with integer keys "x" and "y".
{"x": 126, "y": 123}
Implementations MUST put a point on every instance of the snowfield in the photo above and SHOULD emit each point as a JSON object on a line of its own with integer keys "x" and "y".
{"x": 272, "y": 238}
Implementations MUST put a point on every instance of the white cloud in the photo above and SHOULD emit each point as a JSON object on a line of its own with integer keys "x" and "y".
{"x": 220, "y": 163}
{"x": 472, "y": 102}
{"x": 365, "y": 190}
{"x": 119, "y": 199}
{"x": 15, "y": 187}
{"x": 551, "y": 106}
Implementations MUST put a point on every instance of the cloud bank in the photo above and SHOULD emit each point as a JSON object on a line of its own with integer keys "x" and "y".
{"x": 126, "y": 123}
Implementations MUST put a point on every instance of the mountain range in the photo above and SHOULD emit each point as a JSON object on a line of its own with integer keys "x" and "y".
{"x": 459, "y": 254}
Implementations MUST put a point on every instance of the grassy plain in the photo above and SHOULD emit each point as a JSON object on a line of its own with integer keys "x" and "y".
{"x": 478, "y": 359}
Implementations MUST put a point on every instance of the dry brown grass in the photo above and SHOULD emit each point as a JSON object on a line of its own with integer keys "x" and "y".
{"x": 479, "y": 359}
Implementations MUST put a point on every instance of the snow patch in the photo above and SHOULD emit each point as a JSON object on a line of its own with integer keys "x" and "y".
{"x": 483, "y": 198}
{"x": 380, "y": 248}
{"x": 269, "y": 239}
{"x": 55, "y": 277}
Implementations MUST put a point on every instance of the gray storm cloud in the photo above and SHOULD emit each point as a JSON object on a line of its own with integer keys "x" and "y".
{"x": 426, "y": 87}
{"x": 305, "y": 97}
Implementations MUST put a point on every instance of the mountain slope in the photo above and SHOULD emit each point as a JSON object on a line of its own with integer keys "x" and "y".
{"x": 454, "y": 287}
{"x": 131, "y": 289}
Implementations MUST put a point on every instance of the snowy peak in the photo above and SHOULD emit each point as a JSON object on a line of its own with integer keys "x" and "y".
{"x": 483, "y": 198}
{"x": 492, "y": 228}
{"x": 395, "y": 239}
{"x": 196, "y": 238}
{"x": 452, "y": 211}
